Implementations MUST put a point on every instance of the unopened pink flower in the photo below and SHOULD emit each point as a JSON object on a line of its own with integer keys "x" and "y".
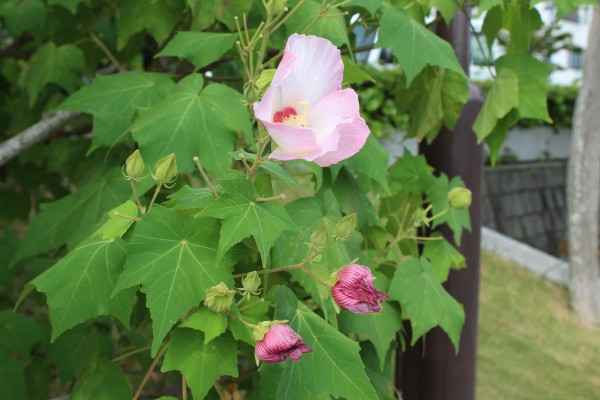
{"x": 355, "y": 292}
{"x": 305, "y": 111}
{"x": 280, "y": 343}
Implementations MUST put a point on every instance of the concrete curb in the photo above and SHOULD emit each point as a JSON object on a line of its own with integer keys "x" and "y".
{"x": 540, "y": 263}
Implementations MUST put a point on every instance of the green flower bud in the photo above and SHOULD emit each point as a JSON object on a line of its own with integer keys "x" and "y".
{"x": 166, "y": 170}
{"x": 459, "y": 198}
{"x": 251, "y": 92}
{"x": 263, "y": 327}
{"x": 319, "y": 236}
{"x": 219, "y": 298}
{"x": 345, "y": 227}
{"x": 251, "y": 282}
{"x": 134, "y": 166}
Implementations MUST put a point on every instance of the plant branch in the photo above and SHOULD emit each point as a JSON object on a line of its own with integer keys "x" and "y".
{"x": 205, "y": 177}
{"x": 41, "y": 130}
{"x": 161, "y": 353}
{"x": 106, "y": 51}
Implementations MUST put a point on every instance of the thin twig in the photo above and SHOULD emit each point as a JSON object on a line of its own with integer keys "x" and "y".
{"x": 106, "y": 51}
{"x": 118, "y": 214}
{"x": 161, "y": 353}
{"x": 130, "y": 353}
{"x": 154, "y": 197}
{"x": 208, "y": 182}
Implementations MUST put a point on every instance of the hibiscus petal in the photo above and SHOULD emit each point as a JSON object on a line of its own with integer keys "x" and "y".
{"x": 294, "y": 142}
{"x": 335, "y": 108}
{"x": 317, "y": 71}
{"x": 352, "y": 137}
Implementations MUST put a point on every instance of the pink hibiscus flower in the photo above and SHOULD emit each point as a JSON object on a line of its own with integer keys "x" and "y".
{"x": 305, "y": 111}
{"x": 279, "y": 344}
{"x": 355, "y": 291}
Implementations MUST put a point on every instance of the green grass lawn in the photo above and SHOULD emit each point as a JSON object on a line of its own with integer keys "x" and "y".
{"x": 531, "y": 345}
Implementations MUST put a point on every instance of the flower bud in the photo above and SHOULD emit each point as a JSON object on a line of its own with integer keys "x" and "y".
{"x": 355, "y": 292}
{"x": 166, "y": 170}
{"x": 251, "y": 282}
{"x": 318, "y": 238}
{"x": 251, "y": 92}
{"x": 279, "y": 342}
{"x": 134, "y": 166}
{"x": 345, "y": 227}
{"x": 219, "y": 298}
{"x": 277, "y": 6}
{"x": 459, "y": 198}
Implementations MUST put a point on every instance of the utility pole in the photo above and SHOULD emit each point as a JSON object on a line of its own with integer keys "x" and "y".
{"x": 431, "y": 370}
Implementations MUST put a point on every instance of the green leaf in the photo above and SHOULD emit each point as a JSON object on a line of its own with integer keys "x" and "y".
{"x": 114, "y": 100}
{"x": 533, "y": 83}
{"x": 205, "y": 12}
{"x": 211, "y": 323}
{"x": 334, "y": 367}
{"x": 201, "y": 363}
{"x": 521, "y": 21}
{"x": 193, "y": 121}
{"x": 31, "y": 16}
{"x": 408, "y": 38}
{"x": 18, "y": 333}
{"x": 188, "y": 198}
{"x": 117, "y": 225}
{"x": 276, "y": 170}
{"x": 412, "y": 173}
{"x": 70, "y": 5}
{"x": 457, "y": 220}
{"x": 79, "y": 286}
{"x": 501, "y": 99}
{"x": 443, "y": 256}
{"x": 446, "y": 7}
{"x": 381, "y": 378}
{"x": 492, "y": 24}
{"x": 199, "y": 48}
{"x": 253, "y": 315}
{"x": 330, "y": 28}
{"x": 62, "y": 66}
{"x": 424, "y": 300}
{"x": 71, "y": 219}
{"x": 103, "y": 381}
{"x": 495, "y": 140}
{"x": 370, "y": 5}
{"x": 12, "y": 378}
{"x": 379, "y": 328}
{"x": 352, "y": 198}
{"x": 353, "y": 73}
{"x": 243, "y": 216}
{"x": 158, "y": 18}
{"x": 175, "y": 261}
{"x": 371, "y": 160}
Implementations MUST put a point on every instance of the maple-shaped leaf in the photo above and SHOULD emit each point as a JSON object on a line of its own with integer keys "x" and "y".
{"x": 211, "y": 323}
{"x": 114, "y": 100}
{"x": 175, "y": 261}
{"x": 244, "y": 216}
{"x": 424, "y": 300}
{"x": 201, "y": 363}
{"x": 71, "y": 218}
{"x": 408, "y": 38}
{"x": 199, "y": 48}
{"x": 62, "y": 66}
{"x": 334, "y": 367}
{"x": 80, "y": 285}
{"x": 12, "y": 378}
{"x": 158, "y": 18}
{"x": 193, "y": 121}
{"x": 443, "y": 256}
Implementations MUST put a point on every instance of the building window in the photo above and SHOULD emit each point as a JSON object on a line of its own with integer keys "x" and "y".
{"x": 575, "y": 59}
{"x": 572, "y": 16}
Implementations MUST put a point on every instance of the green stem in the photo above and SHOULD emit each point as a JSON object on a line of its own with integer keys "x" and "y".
{"x": 268, "y": 271}
{"x": 205, "y": 177}
{"x": 137, "y": 198}
{"x": 130, "y": 353}
{"x": 161, "y": 353}
{"x": 154, "y": 197}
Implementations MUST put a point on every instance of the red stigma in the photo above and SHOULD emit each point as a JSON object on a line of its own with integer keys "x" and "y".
{"x": 286, "y": 113}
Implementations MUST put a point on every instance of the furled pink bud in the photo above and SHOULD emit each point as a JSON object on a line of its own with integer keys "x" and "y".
{"x": 280, "y": 343}
{"x": 355, "y": 292}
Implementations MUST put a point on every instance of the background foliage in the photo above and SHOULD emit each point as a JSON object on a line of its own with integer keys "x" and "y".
{"x": 99, "y": 301}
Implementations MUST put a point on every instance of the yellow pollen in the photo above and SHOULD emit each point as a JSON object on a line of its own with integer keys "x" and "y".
{"x": 300, "y": 119}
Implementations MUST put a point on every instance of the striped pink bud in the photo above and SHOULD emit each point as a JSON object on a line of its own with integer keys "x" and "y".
{"x": 355, "y": 292}
{"x": 280, "y": 343}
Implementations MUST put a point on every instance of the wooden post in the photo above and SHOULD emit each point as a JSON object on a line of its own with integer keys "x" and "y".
{"x": 431, "y": 370}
